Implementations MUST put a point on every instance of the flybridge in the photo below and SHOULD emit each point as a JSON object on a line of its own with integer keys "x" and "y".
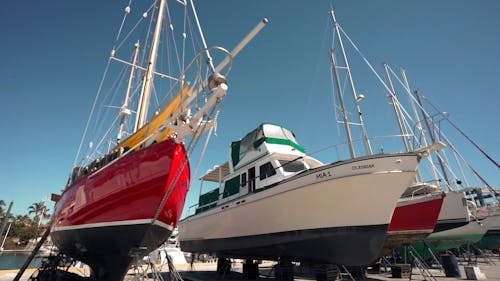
{"x": 247, "y": 147}
{"x": 263, "y": 158}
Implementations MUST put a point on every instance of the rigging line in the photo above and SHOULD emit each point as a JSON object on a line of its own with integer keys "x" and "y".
{"x": 313, "y": 81}
{"x": 103, "y": 139}
{"x": 147, "y": 33}
{"x": 133, "y": 29}
{"x": 448, "y": 162}
{"x": 453, "y": 148}
{"x": 413, "y": 99}
{"x": 463, "y": 134}
{"x": 460, "y": 168}
{"x": 127, "y": 11}
{"x": 184, "y": 25}
{"x": 195, "y": 44}
{"x": 91, "y": 112}
{"x": 369, "y": 65}
{"x": 442, "y": 158}
{"x": 410, "y": 95}
{"x": 155, "y": 96}
{"x": 173, "y": 35}
{"x": 195, "y": 171}
{"x": 192, "y": 142}
{"x": 100, "y": 116}
{"x": 200, "y": 31}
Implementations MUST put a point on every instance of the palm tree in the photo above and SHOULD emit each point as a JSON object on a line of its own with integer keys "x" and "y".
{"x": 23, "y": 220}
{"x": 40, "y": 211}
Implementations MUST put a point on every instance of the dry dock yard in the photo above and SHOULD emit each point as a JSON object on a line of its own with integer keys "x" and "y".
{"x": 484, "y": 269}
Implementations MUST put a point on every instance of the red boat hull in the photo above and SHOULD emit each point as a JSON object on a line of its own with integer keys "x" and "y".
{"x": 412, "y": 221}
{"x": 124, "y": 210}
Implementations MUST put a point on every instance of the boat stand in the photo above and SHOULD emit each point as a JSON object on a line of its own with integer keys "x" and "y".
{"x": 331, "y": 272}
{"x": 172, "y": 271}
{"x": 418, "y": 263}
{"x": 483, "y": 255}
{"x": 435, "y": 260}
{"x": 223, "y": 266}
{"x": 250, "y": 269}
{"x": 283, "y": 271}
{"x": 50, "y": 270}
{"x": 471, "y": 253}
{"x": 152, "y": 272}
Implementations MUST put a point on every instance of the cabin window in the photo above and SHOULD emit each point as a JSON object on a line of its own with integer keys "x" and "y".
{"x": 292, "y": 166}
{"x": 243, "y": 180}
{"x": 231, "y": 186}
{"x": 267, "y": 170}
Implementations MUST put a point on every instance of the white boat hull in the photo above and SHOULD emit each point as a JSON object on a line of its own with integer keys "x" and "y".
{"x": 454, "y": 212}
{"x": 337, "y": 213}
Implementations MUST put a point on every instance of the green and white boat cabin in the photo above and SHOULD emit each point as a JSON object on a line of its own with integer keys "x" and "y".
{"x": 263, "y": 158}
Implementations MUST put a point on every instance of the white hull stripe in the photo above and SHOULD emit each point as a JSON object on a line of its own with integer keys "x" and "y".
{"x": 113, "y": 223}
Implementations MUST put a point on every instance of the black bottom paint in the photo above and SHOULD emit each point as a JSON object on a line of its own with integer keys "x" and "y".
{"x": 447, "y": 225}
{"x": 354, "y": 245}
{"x": 109, "y": 251}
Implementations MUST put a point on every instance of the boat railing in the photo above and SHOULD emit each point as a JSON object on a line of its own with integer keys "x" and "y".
{"x": 425, "y": 189}
{"x": 197, "y": 208}
{"x": 382, "y": 144}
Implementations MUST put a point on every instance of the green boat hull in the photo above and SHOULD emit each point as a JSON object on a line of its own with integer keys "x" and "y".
{"x": 490, "y": 241}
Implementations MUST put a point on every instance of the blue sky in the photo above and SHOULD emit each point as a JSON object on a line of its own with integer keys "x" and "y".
{"x": 53, "y": 54}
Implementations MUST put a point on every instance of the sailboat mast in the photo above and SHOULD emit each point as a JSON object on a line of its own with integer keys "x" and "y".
{"x": 142, "y": 111}
{"x": 418, "y": 123}
{"x": 124, "y": 111}
{"x": 399, "y": 116}
{"x": 433, "y": 138}
{"x": 342, "y": 106}
{"x": 356, "y": 98}
{"x": 397, "y": 110}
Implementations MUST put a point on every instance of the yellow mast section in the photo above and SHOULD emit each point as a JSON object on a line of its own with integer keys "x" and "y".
{"x": 157, "y": 121}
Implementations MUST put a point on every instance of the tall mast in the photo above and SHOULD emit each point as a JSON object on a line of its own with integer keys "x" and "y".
{"x": 342, "y": 107}
{"x": 418, "y": 123}
{"x": 399, "y": 116}
{"x": 142, "y": 111}
{"x": 124, "y": 111}
{"x": 433, "y": 138}
{"x": 397, "y": 110}
{"x": 356, "y": 98}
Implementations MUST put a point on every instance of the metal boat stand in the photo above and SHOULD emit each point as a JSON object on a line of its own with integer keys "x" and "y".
{"x": 417, "y": 261}
{"x": 283, "y": 270}
{"x": 470, "y": 254}
{"x": 435, "y": 260}
{"x": 331, "y": 272}
{"x": 250, "y": 269}
{"x": 152, "y": 272}
{"x": 223, "y": 266}
{"x": 50, "y": 270}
